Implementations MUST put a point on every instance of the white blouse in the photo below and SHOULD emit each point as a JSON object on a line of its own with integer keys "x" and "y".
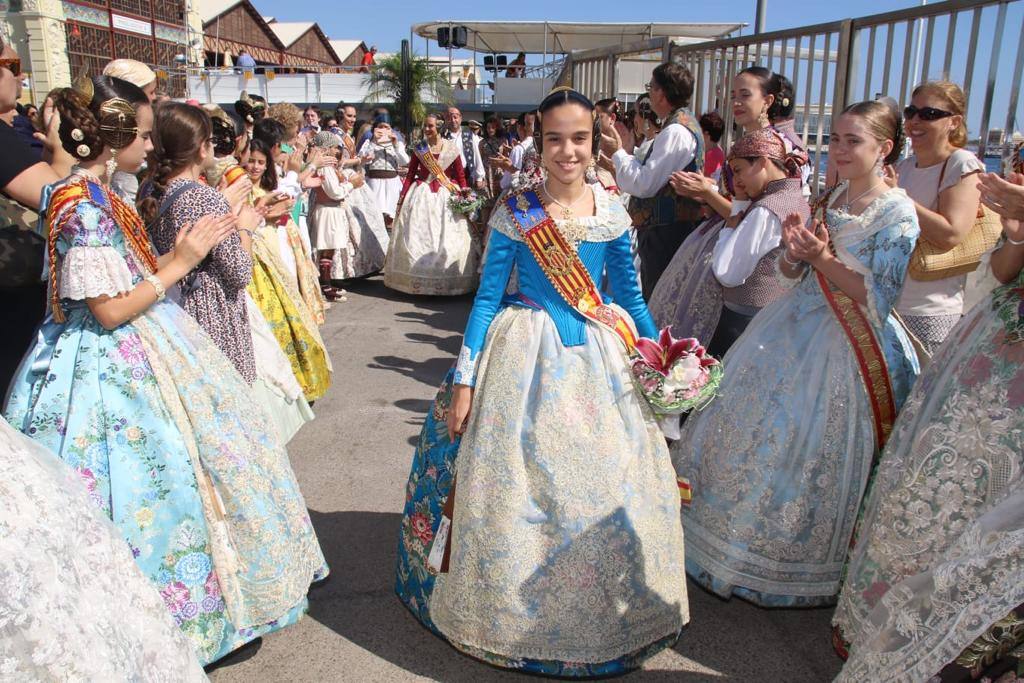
{"x": 739, "y": 249}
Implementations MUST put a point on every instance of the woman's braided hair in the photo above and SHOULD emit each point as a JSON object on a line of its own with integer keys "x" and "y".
{"x": 96, "y": 114}
{"x": 179, "y": 133}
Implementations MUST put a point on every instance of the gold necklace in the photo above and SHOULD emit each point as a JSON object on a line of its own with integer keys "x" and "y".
{"x": 573, "y": 231}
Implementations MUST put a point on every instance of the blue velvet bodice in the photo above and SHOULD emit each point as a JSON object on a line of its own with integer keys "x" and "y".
{"x": 610, "y": 257}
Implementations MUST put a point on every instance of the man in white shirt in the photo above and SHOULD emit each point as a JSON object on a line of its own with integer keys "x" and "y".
{"x": 663, "y": 219}
{"x": 524, "y": 131}
{"x": 468, "y": 143}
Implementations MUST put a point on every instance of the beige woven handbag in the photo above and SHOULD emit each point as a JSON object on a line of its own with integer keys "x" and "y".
{"x": 929, "y": 262}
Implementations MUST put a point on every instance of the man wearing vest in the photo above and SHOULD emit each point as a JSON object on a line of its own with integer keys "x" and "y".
{"x": 662, "y": 218}
{"x": 468, "y": 144}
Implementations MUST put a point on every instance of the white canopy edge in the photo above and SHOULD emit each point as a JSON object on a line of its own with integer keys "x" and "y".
{"x": 557, "y": 37}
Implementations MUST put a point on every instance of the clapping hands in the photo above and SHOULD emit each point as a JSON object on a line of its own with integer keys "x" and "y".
{"x": 803, "y": 243}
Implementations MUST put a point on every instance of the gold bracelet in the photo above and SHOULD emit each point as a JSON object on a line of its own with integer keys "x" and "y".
{"x": 161, "y": 291}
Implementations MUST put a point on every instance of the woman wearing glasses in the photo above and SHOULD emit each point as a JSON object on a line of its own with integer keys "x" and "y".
{"x": 942, "y": 179}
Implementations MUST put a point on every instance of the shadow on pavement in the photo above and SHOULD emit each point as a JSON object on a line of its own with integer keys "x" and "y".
{"x": 429, "y": 372}
{"x": 439, "y": 313}
{"x": 359, "y": 603}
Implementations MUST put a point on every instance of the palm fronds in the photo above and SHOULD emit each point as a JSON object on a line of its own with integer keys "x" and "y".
{"x": 385, "y": 82}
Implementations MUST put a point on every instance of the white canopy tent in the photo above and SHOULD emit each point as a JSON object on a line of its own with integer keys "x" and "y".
{"x": 560, "y": 37}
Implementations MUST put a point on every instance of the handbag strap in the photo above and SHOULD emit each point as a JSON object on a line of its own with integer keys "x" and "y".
{"x": 942, "y": 176}
{"x": 168, "y": 201}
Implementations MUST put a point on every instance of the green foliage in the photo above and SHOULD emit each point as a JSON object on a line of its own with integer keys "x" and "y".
{"x": 384, "y": 82}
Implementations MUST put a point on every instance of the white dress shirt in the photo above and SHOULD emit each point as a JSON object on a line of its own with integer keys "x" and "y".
{"x": 739, "y": 249}
{"x": 477, "y": 172}
{"x": 516, "y": 156}
{"x": 674, "y": 149}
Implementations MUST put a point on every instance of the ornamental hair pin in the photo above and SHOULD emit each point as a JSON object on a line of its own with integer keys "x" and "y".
{"x": 118, "y": 127}
{"x": 77, "y": 135}
{"x": 83, "y": 151}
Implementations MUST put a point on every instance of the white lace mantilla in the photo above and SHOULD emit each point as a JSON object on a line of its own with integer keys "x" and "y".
{"x": 88, "y": 272}
{"x": 609, "y": 221}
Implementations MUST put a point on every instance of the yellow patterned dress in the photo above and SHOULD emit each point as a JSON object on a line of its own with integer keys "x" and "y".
{"x": 289, "y": 318}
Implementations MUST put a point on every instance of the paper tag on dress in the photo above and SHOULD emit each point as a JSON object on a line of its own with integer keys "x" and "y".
{"x": 436, "y": 559}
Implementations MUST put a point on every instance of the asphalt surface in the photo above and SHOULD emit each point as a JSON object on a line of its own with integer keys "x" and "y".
{"x": 390, "y": 352}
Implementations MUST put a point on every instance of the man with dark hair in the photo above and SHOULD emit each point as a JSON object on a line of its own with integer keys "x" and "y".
{"x": 662, "y": 218}
{"x": 712, "y": 126}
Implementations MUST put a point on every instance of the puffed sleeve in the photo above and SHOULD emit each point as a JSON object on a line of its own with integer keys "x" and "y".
{"x": 501, "y": 251}
{"x": 885, "y": 255}
{"x": 92, "y": 263}
{"x": 626, "y": 292}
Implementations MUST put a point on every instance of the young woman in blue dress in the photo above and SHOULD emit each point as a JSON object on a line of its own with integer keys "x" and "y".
{"x": 566, "y": 553}
{"x": 128, "y": 390}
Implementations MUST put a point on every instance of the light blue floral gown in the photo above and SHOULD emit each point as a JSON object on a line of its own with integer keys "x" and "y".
{"x": 780, "y": 460}
{"x": 163, "y": 431}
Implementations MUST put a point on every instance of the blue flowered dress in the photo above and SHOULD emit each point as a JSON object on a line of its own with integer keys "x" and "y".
{"x": 162, "y": 430}
{"x": 777, "y": 484}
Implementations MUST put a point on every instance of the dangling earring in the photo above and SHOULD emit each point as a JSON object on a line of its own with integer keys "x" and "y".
{"x": 762, "y": 118}
{"x": 880, "y": 168}
{"x": 111, "y": 165}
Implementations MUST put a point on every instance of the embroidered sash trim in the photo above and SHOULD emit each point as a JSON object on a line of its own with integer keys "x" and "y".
{"x": 870, "y": 359}
{"x": 430, "y": 162}
{"x": 563, "y": 267}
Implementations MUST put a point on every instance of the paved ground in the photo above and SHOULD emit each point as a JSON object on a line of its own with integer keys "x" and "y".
{"x": 390, "y": 352}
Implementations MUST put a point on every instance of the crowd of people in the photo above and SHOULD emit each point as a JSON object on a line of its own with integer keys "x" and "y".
{"x": 865, "y": 448}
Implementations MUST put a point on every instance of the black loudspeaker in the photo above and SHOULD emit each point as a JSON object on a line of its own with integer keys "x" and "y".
{"x": 460, "y": 36}
{"x": 457, "y": 37}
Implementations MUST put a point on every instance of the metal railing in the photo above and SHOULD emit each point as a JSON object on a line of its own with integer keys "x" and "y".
{"x": 834, "y": 64}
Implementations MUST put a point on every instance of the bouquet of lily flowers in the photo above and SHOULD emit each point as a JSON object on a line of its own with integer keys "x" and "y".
{"x": 465, "y": 203}
{"x": 675, "y": 376}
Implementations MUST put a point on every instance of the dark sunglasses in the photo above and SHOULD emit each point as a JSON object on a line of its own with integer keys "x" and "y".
{"x": 925, "y": 113}
{"x": 12, "y": 64}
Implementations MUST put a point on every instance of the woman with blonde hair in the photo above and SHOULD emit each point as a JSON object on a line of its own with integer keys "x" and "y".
{"x": 942, "y": 179}
{"x": 780, "y": 460}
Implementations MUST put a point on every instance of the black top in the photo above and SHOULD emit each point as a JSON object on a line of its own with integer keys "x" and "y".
{"x": 17, "y": 155}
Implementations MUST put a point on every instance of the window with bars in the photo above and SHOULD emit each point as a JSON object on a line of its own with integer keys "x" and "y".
{"x": 133, "y": 47}
{"x": 139, "y": 8}
{"x": 170, "y": 11}
{"x": 88, "y": 49}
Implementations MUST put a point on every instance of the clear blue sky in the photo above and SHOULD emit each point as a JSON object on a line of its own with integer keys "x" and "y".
{"x": 386, "y": 23}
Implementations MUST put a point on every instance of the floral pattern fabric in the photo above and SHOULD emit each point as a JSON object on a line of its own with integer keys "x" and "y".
{"x": 956, "y": 455}
{"x": 290, "y": 320}
{"x": 62, "y": 566}
{"x": 163, "y": 431}
{"x": 214, "y": 293}
{"x": 774, "y": 505}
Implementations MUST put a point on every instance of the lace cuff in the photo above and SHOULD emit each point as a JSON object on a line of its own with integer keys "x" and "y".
{"x": 465, "y": 368}
{"x": 782, "y": 279}
{"x": 88, "y": 272}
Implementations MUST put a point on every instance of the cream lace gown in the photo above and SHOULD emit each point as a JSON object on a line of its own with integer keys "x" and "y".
{"x": 73, "y": 603}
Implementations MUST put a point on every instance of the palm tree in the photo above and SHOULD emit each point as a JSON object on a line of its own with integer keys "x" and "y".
{"x": 385, "y": 82}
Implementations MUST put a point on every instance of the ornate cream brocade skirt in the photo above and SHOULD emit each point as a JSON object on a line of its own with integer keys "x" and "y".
{"x": 567, "y": 543}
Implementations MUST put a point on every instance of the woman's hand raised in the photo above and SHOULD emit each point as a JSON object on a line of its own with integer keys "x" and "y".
{"x": 195, "y": 241}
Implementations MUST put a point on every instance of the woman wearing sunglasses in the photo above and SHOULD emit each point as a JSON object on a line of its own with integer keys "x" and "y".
{"x": 942, "y": 179}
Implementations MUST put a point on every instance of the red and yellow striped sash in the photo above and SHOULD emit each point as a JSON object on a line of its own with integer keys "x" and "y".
{"x": 563, "y": 267}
